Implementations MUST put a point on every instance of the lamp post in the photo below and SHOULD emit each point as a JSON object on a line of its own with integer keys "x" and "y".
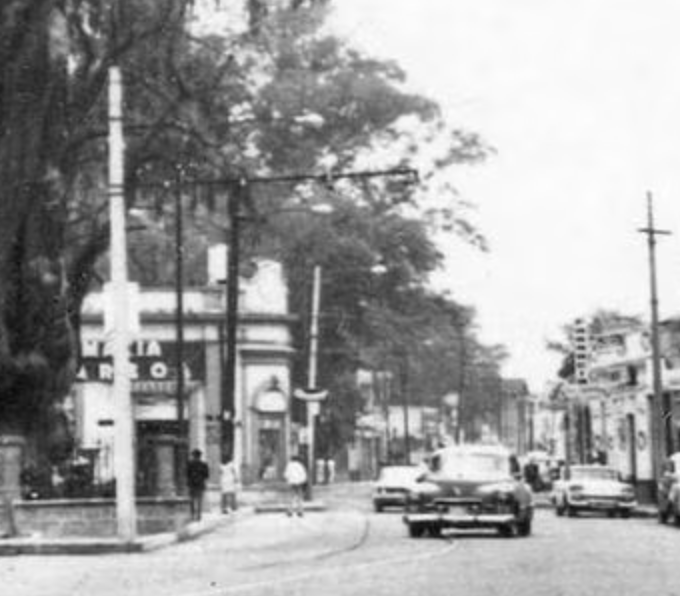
{"x": 240, "y": 195}
{"x": 313, "y": 395}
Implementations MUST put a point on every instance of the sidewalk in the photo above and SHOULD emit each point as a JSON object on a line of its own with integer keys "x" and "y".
{"x": 258, "y": 499}
{"x": 76, "y": 545}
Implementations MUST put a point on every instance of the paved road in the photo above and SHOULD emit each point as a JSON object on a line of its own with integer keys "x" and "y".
{"x": 352, "y": 551}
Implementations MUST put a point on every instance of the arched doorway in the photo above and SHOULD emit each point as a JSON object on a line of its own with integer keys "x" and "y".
{"x": 271, "y": 406}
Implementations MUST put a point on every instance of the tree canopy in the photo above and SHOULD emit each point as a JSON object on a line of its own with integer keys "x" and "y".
{"x": 279, "y": 95}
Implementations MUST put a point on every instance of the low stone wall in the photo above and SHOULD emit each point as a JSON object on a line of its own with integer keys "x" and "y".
{"x": 97, "y": 517}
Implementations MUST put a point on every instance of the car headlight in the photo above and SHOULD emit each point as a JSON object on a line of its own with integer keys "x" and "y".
{"x": 500, "y": 493}
{"x": 576, "y": 492}
{"x": 628, "y": 493}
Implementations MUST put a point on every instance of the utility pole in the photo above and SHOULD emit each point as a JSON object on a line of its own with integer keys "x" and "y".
{"x": 657, "y": 409}
{"x": 240, "y": 197}
{"x": 405, "y": 403}
{"x": 231, "y": 443}
{"x": 180, "y": 450}
{"x": 314, "y": 405}
{"x": 126, "y": 515}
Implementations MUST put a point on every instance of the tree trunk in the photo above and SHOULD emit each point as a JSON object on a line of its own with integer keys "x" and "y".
{"x": 36, "y": 342}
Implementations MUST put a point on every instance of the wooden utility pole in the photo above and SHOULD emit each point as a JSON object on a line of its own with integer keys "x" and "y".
{"x": 658, "y": 418}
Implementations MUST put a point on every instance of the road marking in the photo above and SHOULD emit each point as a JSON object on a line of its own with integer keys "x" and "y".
{"x": 400, "y": 560}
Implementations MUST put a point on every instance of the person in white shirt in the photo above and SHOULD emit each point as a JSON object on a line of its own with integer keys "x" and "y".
{"x": 229, "y": 484}
{"x": 296, "y": 478}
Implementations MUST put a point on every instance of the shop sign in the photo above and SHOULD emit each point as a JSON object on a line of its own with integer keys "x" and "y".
{"x": 150, "y": 360}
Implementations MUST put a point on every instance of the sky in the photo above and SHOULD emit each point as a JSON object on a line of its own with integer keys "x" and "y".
{"x": 581, "y": 101}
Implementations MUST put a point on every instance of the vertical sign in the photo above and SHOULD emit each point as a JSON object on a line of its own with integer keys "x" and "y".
{"x": 581, "y": 344}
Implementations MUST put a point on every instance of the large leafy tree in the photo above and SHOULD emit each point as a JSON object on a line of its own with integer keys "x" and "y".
{"x": 54, "y": 58}
{"x": 276, "y": 97}
{"x": 302, "y": 102}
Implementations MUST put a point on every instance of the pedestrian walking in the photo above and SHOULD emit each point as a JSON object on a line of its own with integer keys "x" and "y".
{"x": 229, "y": 485}
{"x": 296, "y": 478}
{"x": 197, "y": 476}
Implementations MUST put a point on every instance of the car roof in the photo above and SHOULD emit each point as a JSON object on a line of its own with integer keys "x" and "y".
{"x": 475, "y": 449}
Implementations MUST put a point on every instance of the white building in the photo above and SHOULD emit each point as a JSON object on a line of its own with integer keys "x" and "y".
{"x": 262, "y": 437}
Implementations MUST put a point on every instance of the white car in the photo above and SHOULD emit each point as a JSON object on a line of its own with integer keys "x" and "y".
{"x": 393, "y": 485}
{"x": 592, "y": 488}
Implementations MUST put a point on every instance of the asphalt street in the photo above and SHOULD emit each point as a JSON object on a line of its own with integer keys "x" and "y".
{"x": 348, "y": 549}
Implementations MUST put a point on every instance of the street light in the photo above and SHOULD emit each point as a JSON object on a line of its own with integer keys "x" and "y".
{"x": 240, "y": 197}
{"x": 231, "y": 441}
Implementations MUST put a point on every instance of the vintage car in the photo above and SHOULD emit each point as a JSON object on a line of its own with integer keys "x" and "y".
{"x": 393, "y": 484}
{"x": 668, "y": 494}
{"x": 470, "y": 487}
{"x": 592, "y": 488}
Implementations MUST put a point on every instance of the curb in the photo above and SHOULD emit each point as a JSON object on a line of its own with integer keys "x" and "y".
{"x": 283, "y": 507}
{"x": 100, "y": 546}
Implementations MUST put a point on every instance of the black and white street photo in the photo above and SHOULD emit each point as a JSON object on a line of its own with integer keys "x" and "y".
{"x": 339, "y": 297}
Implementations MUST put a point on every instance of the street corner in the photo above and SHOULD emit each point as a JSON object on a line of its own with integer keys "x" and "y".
{"x": 321, "y": 531}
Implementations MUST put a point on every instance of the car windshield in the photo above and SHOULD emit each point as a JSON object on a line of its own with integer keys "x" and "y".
{"x": 593, "y": 474}
{"x": 399, "y": 474}
{"x": 487, "y": 466}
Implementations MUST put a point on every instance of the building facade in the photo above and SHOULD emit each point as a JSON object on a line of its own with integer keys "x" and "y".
{"x": 262, "y": 437}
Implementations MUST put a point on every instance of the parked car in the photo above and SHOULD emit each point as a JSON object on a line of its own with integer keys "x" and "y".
{"x": 668, "y": 494}
{"x": 393, "y": 484}
{"x": 469, "y": 487}
{"x": 592, "y": 487}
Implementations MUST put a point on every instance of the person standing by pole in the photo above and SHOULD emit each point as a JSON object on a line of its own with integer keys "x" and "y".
{"x": 197, "y": 476}
{"x": 229, "y": 483}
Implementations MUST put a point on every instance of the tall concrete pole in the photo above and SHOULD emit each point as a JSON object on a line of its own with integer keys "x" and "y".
{"x": 313, "y": 405}
{"x": 126, "y": 515}
{"x": 658, "y": 434}
{"x": 182, "y": 438}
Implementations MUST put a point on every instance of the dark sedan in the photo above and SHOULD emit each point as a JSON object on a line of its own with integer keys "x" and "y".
{"x": 470, "y": 487}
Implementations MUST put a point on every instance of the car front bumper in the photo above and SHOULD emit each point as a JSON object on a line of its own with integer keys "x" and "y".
{"x": 460, "y": 520}
{"x": 594, "y": 504}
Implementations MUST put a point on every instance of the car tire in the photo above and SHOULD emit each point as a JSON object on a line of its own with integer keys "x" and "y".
{"x": 435, "y": 531}
{"x": 624, "y": 513}
{"x": 571, "y": 512}
{"x": 415, "y": 530}
{"x": 559, "y": 509}
{"x": 674, "y": 516}
{"x": 508, "y": 530}
{"x": 524, "y": 527}
{"x": 377, "y": 508}
{"x": 663, "y": 516}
